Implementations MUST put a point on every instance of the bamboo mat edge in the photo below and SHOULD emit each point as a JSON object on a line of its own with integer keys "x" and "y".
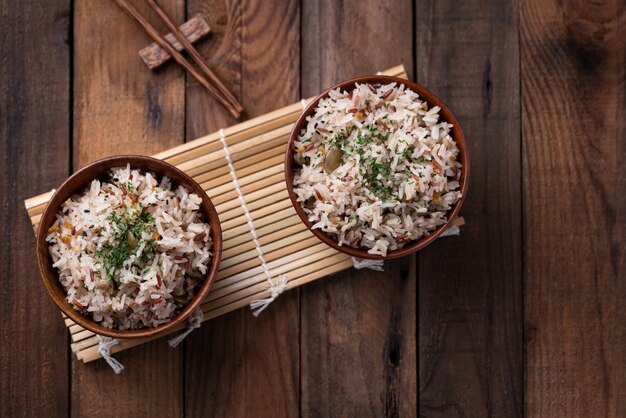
{"x": 205, "y": 153}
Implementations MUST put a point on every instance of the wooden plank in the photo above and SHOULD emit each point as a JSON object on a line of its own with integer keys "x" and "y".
{"x": 470, "y": 293}
{"x": 122, "y": 107}
{"x": 358, "y": 327}
{"x": 238, "y": 365}
{"x": 34, "y": 98}
{"x": 574, "y": 143}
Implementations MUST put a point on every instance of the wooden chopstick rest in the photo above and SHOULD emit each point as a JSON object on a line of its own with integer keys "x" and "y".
{"x": 195, "y": 55}
{"x": 158, "y": 38}
{"x": 194, "y": 29}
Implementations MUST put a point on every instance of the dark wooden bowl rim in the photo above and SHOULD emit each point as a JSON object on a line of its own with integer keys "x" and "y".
{"x": 76, "y": 184}
{"x": 457, "y": 135}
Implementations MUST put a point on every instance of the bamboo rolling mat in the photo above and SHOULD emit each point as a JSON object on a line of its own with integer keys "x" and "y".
{"x": 257, "y": 149}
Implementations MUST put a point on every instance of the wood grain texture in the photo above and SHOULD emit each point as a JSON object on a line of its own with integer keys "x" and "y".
{"x": 358, "y": 327}
{"x": 574, "y": 140}
{"x": 222, "y": 52}
{"x": 358, "y": 343}
{"x": 122, "y": 107}
{"x": 33, "y": 115}
{"x": 470, "y": 293}
{"x": 550, "y": 287}
{"x": 238, "y": 365}
{"x": 119, "y": 105}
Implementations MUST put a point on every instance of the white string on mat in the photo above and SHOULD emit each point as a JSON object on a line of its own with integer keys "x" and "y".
{"x": 366, "y": 263}
{"x": 276, "y": 288}
{"x": 104, "y": 348}
{"x": 452, "y": 230}
{"x": 195, "y": 320}
{"x": 303, "y": 104}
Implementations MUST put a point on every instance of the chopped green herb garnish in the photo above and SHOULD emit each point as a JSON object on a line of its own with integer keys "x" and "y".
{"x": 407, "y": 153}
{"x": 127, "y": 234}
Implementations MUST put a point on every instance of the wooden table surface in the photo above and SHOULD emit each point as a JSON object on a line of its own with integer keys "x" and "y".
{"x": 523, "y": 315}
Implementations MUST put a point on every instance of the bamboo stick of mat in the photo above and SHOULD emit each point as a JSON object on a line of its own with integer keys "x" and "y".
{"x": 315, "y": 259}
{"x": 304, "y": 261}
{"x": 301, "y": 277}
{"x": 288, "y": 263}
{"x": 240, "y": 280}
{"x": 317, "y": 256}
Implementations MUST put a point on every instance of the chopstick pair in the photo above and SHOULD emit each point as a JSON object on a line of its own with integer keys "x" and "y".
{"x": 219, "y": 91}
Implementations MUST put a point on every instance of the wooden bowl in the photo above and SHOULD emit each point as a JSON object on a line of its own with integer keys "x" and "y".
{"x": 445, "y": 115}
{"x": 77, "y": 184}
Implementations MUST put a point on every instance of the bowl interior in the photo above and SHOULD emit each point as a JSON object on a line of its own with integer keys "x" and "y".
{"x": 76, "y": 184}
{"x": 445, "y": 114}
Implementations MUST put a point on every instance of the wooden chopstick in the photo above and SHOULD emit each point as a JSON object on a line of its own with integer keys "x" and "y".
{"x": 158, "y": 38}
{"x": 194, "y": 54}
